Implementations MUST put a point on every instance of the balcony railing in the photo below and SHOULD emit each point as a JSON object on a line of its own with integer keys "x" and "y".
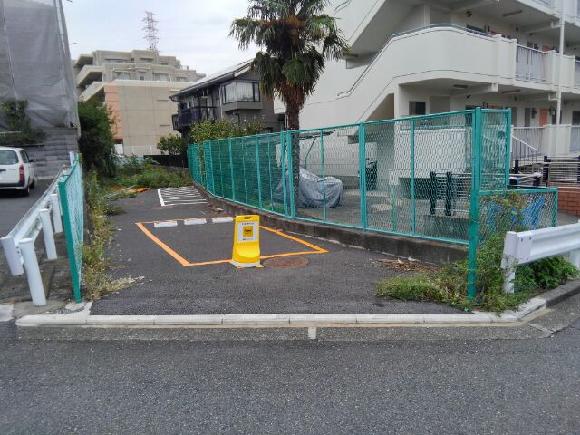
{"x": 531, "y": 64}
{"x": 193, "y": 115}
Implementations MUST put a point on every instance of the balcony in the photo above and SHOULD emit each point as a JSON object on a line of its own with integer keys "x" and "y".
{"x": 89, "y": 74}
{"x": 193, "y": 115}
{"x": 532, "y": 65}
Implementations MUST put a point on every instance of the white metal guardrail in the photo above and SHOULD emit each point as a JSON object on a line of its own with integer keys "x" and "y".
{"x": 528, "y": 246}
{"x": 18, "y": 244}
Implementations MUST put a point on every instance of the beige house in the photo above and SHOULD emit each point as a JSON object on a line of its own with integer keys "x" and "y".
{"x": 136, "y": 87}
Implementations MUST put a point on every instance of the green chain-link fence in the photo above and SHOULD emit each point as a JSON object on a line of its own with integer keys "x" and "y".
{"x": 433, "y": 176}
{"x": 70, "y": 189}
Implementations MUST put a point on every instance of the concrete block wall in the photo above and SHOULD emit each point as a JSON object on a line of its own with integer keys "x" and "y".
{"x": 50, "y": 156}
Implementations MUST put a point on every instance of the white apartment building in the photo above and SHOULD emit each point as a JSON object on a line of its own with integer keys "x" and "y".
{"x": 413, "y": 57}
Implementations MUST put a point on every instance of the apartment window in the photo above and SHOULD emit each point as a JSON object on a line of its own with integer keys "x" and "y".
{"x": 417, "y": 108}
{"x": 180, "y": 79}
{"x": 141, "y": 77}
{"x": 575, "y": 117}
{"x": 161, "y": 77}
{"x": 121, "y": 75}
{"x": 241, "y": 91}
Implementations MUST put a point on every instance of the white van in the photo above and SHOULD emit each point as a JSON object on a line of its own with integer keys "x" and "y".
{"x": 16, "y": 170}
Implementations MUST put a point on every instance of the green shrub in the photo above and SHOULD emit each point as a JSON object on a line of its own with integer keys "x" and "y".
{"x": 153, "y": 177}
{"x": 449, "y": 284}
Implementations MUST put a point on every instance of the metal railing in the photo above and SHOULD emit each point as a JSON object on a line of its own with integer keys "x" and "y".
{"x": 531, "y": 64}
{"x": 18, "y": 244}
{"x": 439, "y": 177}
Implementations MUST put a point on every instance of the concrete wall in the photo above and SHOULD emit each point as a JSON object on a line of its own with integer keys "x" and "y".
{"x": 141, "y": 113}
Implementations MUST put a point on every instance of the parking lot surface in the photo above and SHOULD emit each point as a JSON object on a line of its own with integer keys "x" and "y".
{"x": 184, "y": 269}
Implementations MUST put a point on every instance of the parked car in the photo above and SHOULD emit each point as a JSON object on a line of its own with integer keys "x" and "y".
{"x": 16, "y": 170}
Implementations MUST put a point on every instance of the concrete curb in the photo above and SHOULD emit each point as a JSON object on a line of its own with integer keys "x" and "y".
{"x": 237, "y": 321}
{"x": 561, "y": 293}
{"x": 84, "y": 319}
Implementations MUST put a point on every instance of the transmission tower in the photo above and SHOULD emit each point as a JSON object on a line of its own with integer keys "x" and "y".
{"x": 151, "y": 31}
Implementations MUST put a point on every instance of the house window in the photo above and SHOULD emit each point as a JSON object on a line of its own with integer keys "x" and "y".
{"x": 241, "y": 91}
{"x": 141, "y": 77}
{"x": 417, "y": 108}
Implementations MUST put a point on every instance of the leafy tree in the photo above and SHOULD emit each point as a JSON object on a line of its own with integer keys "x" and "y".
{"x": 96, "y": 141}
{"x": 210, "y": 130}
{"x": 296, "y": 39}
{"x": 172, "y": 144}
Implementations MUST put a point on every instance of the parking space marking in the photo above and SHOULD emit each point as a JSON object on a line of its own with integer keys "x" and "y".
{"x": 169, "y": 197}
{"x": 315, "y": 250}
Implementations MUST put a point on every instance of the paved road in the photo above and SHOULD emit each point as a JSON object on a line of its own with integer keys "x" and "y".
{"x": 452, "y": 386}
{"x": 341, "y": 281}
{"x": 13, "y": 205}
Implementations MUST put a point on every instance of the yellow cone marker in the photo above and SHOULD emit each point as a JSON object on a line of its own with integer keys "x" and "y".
{"x": 246, "y": 252}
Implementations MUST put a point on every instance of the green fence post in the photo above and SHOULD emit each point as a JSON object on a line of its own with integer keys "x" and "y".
{"x": 244, "y": 169}
{"x": 323, "y": 173}
{"x": 290, "y": 152}
{"x": 555, "y": 209}
{"x": 362, "y": 174}
{"x": 219, "y": 144}
{"x": 209, "y": 146}
{"x": 231, "y": 168}
{"x": 270, "y": 172}
{"x": 412, "y": 187}
{"x": 283, "y": 161}
{"x": 474, "y": 203}
{"x": 258, "y": 178}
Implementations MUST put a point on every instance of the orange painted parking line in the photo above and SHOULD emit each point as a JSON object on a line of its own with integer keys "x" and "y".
{"x": 296, "y": 239}
{"x": 316, "y": 250}
{"x": 162, "y": 245}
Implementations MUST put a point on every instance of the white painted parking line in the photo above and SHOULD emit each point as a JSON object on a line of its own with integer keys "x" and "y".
{"x": 165, "y": 224}
{"x": 195, "y": 221}
{"x": 222, "y": 220}
{"x": 180, "y": 196}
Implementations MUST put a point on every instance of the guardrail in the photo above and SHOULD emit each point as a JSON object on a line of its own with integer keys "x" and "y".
{"x": 18, "y": 244}
{"x": 528, "y": 246}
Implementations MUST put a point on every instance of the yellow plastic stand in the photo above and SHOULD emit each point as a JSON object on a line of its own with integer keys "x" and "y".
{"x": 246, "y": 252}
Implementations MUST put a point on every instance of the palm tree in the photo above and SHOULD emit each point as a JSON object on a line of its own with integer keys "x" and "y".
{"x": 296, "y": 39}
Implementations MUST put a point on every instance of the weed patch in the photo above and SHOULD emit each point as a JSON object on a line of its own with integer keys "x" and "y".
{"x": 448, "y": 285}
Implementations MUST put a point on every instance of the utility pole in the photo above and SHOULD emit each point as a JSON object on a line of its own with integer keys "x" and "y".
{"x": 151, "y": 31}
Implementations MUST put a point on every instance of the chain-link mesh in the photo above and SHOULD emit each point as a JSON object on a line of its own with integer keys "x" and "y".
{"x": 432, "y": 176}
{"x": 70, "y": 189}
{"x": 516, "y": 210}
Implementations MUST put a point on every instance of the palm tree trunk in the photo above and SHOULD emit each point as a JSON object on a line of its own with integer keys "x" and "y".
{"x": 292, "y": 113}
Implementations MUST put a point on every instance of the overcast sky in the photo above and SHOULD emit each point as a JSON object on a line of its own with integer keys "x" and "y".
{"x": 196, "y": 31}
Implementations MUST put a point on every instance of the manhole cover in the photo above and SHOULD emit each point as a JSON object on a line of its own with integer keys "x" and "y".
{"x": 286, "y": 262}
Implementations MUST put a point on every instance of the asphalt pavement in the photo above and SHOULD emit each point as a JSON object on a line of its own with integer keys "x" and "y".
{"x": 424, "y": 386}
{"x": 13, "y": 205}
{"x": 340, "y": 281}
